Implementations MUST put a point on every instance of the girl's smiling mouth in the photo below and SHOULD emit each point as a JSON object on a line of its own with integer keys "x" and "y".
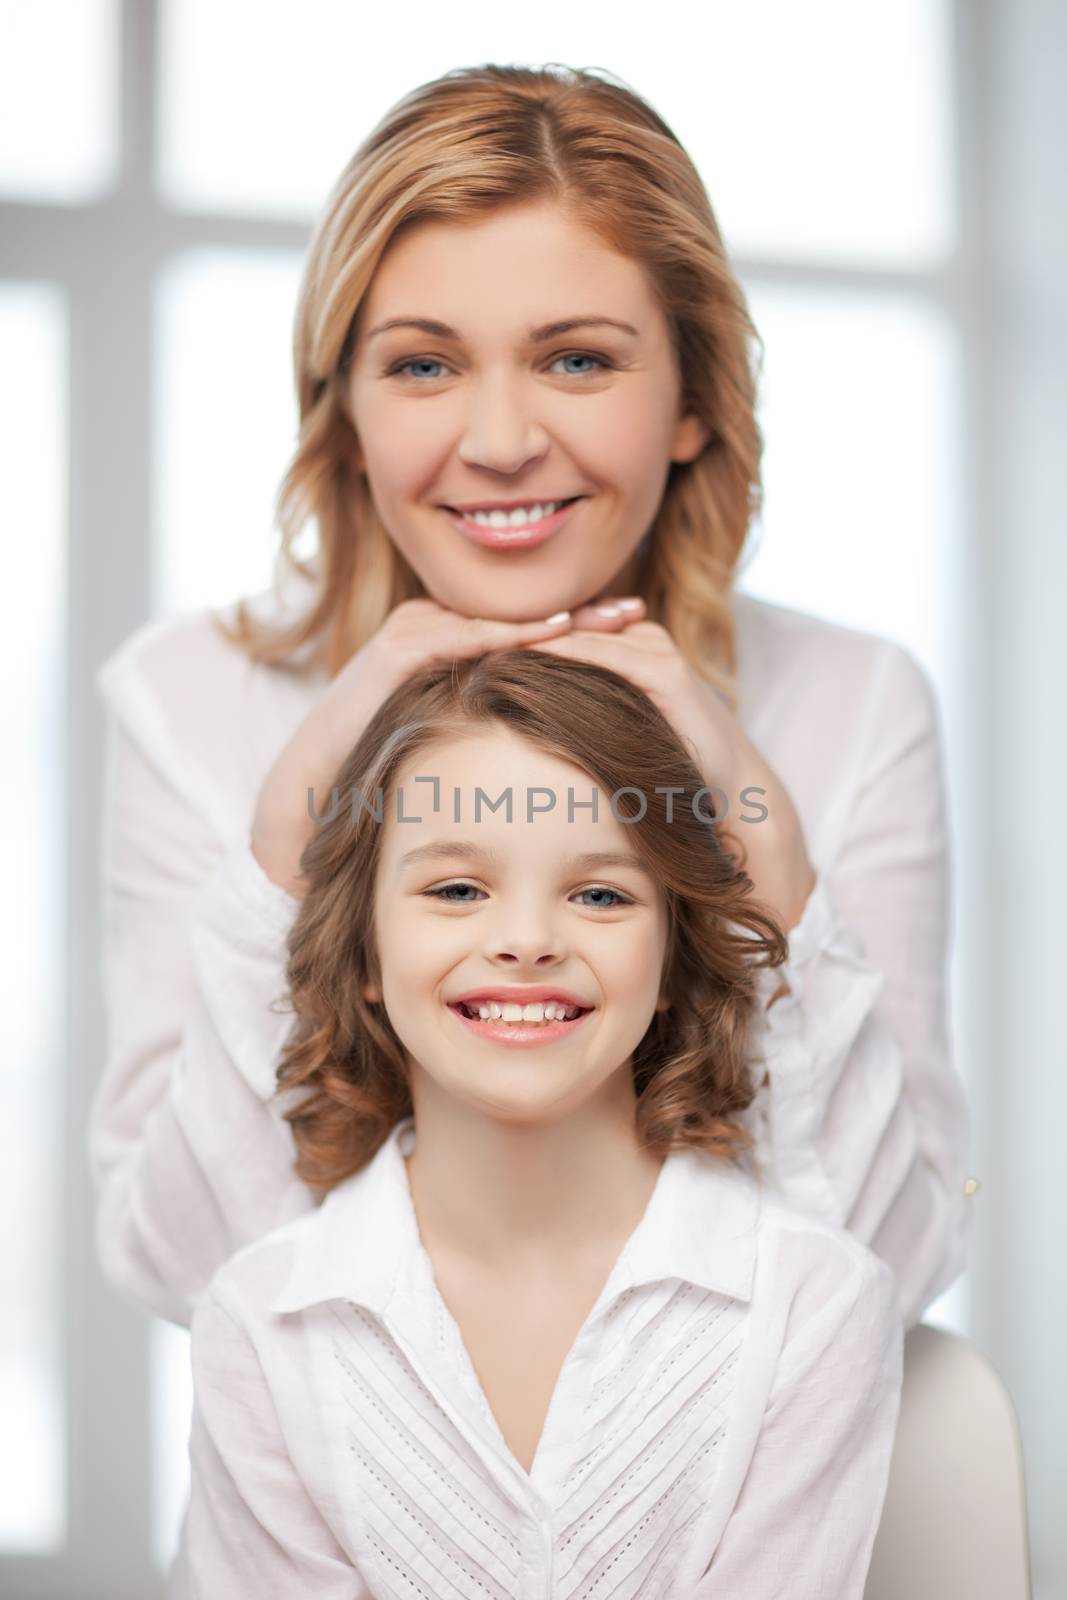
{"x": 519, "y": 1032}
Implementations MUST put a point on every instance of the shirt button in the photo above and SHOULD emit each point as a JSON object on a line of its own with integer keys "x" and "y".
{"x": 971, "y": 1186}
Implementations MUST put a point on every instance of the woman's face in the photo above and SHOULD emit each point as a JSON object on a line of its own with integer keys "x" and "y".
{"x": 486, "y": 409}
{"x": 501, "y": 902}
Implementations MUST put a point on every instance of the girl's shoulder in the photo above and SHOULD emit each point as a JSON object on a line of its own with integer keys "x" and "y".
{"x": 348, "y": 1245}
{"x": 248, "y": 1282}
{"x": 817, "y": 1271}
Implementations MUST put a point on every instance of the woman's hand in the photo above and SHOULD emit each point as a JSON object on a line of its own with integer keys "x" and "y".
{"x": 643, "y": 652}
{"x": 415, "y": 634}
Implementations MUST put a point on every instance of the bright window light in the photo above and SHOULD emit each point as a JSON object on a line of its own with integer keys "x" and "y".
{"x": 59, "y": 102}
{"x": 858, "y": 408}
{"x": 822, "y": 130}
{"x": 33, "y": 661}
{"x": 225, "y": 422}
{"x": 171, "y": 1383}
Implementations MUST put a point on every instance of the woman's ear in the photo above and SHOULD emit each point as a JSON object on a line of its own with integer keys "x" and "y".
{"x": 372, "y": 993}
{"x": 664, "y": 1002}
{"x": 691, "y": 434}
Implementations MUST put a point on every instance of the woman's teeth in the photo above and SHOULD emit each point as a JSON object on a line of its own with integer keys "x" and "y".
{"x": 518, "y": 518}
{"x": 490, "y": 1011}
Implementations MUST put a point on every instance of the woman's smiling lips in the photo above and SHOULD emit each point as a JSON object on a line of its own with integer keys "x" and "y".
{"x": 523, "y": 537}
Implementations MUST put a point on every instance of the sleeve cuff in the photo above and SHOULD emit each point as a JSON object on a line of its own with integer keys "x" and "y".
{"x": 239, "y": 932}
{"x": 811, "y": 934}
{"x": 802, "y": 1042}
{"x": 813, "y": 930}
{"x": 255, "y": 912}
{"x": 259, "y": 892}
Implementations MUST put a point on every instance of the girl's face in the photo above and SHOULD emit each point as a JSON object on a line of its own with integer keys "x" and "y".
{"x": 493, "y": 405}
{"x": 475, "y": 905}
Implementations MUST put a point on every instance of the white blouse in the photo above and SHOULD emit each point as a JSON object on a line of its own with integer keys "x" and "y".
{"x": 863, "y": 1122}
{"x": 721, "y": 1427}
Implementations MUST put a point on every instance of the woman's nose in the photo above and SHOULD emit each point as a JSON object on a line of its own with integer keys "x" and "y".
{"x": 500, "y": 430}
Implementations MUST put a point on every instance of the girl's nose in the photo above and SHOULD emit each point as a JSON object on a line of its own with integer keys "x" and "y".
{"x": 516, "y": 958}
{"x": 525, "y": 939}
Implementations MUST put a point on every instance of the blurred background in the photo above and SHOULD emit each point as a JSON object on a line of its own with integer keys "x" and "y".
{"x": 890, "y": 178}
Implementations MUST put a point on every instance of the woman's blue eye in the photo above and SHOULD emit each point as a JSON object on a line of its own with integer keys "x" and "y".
{"x": 581, "y": 355}
{"x": 445, "y": 893}
{"x": 401, "y": 368}
{"x": 417, "y": 361}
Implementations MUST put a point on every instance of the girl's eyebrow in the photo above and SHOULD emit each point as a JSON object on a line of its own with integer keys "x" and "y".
{"x": 549, "y": 330}
{"x": 460, "y": 849}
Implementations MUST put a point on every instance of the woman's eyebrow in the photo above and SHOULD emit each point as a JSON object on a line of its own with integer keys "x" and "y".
{"x": 549, "y": 330}
{"x": 464, "y": 851}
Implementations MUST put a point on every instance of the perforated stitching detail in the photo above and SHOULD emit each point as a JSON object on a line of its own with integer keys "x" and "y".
{"x": 609, "y": 1439}
{"x": 447, "y": 1481}
{"x": 400, "y": 1571}
{"x": 589, "y": 1589}
{"x": 667, "y": 1309}
{"x": 449, "y": 1555}
{"x": 654, "y": 1448}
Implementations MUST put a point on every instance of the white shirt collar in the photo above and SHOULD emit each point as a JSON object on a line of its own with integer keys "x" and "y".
{"x": 699, "y": 1226}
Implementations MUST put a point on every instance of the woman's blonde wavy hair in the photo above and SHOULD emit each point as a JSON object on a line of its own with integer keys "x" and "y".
{"x": 343, "y": 1065}
{"x": 457, "y": 148}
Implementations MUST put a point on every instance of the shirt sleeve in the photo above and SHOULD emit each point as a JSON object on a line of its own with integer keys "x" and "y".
{"x": 190, "y": 1157}
{"x": 807, "y": 1513}
{"x": 251, "y": 1527}
{"x": 863, "y": 1121}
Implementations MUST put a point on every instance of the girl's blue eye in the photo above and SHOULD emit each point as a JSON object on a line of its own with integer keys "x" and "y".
{"x": 620, "y": 900}
{"x": 444, "y": 893}
{"x": 400, "y": 370}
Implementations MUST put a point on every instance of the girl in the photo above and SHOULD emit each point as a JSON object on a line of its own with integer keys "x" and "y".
{"x": 541, "y": 1338}
{"x": 517, "y": 297}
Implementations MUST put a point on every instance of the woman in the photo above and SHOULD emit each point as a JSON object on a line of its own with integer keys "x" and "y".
{"x": 514, "y": 223}
{"x": 544, "y": 1336}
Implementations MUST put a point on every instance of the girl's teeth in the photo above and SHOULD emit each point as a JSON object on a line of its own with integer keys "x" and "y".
{"x": 552, "y": 1011}
{"x": 512, "y": 519}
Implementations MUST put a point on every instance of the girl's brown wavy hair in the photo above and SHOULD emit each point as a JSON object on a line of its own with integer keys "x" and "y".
{"x": 454, "y": 149}
{"x": 344, "y": 1063}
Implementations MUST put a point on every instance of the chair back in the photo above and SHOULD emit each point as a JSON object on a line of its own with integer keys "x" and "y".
{"x": 954, "y": 1522}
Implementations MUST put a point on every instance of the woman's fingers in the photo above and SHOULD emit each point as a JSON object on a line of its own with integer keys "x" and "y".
{"x": 418, "y": 632}
{"x": 486, "y": 633}
{"x": 430, "y": 624}
{"x": 470, "y": 636}
{"x": 609, "y": 613}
